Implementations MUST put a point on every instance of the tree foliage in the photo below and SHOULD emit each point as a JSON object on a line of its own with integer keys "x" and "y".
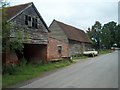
{"x": 94, "y": 34}
{"x": 5, "y": 28}
{"x": 104, "y": 36}
{"x": 117, "y": 33}
{"x": 12, "y": 35}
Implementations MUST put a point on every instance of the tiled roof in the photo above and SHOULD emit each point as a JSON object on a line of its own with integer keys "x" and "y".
{"x": 74, "y": 33}
{"x": 13, "y": 10}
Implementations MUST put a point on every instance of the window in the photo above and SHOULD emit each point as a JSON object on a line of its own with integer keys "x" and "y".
{"x": 26, "y": 20}
{"x": 34, "y": 22}
{"x": 29, "y": 18}
{"x": 60, "y": 49}
{"x": 31, "y": 22}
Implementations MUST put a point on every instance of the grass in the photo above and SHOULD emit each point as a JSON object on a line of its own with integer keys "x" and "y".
{"x": 104, "y": 51}
{"x": 80, "y": 57}
{"x": 29, "y": 71}
{"x": 26, "y": 72}
{"x": 0, "y": 81}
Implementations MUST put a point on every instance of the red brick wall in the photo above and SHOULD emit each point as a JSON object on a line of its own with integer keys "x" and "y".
{"x": 37, "y": 53}
{"x": 9, "y": 58}
{"x": 52, "y": 48}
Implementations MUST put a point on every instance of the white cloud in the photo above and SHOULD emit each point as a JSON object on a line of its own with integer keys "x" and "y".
{"x": 78, "y": 13}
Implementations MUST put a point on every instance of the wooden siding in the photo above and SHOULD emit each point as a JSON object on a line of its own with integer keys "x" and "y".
{"x": 75, "y": 47}
{"x": 57, "y": 32}
{"x": 36, "y": 36}
{"x": 77, "y": 39}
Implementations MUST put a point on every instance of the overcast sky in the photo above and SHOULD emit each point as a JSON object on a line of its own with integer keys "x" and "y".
{"x": 78, "y": 13}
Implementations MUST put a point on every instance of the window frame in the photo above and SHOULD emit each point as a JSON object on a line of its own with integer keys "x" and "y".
{"x": 60, "y": 50}
{"x": 31, "y": 21}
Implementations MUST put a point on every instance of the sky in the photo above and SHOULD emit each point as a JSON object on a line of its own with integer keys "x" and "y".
{"x": 78, "y": 13}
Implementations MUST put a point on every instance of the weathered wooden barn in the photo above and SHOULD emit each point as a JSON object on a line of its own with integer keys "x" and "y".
{"x": 77, "y": 39}
{"x": 33, "y": 25}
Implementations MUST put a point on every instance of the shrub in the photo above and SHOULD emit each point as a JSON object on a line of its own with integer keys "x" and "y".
{"x": 23, "y": 62}
{"x": 9, "y": 69}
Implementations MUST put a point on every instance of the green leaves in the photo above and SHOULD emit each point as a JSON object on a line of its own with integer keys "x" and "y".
{"x": 104, "y": 36}
{"x": 13, "y": 36}
{"x": 17, "y": 41}
{"x": 94, "y": 34}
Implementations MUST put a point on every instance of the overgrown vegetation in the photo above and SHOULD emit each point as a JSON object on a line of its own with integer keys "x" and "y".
{"x": 78, "y": 56}
{"x": 105, "y": 51}
{"x": 13, "y": 36}
{"x": 28, "y": 71}
{"x": 23, "y": 72}
{"x": 11, "y": 29}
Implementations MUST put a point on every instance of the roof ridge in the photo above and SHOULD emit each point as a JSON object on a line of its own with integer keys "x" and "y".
{"x": 69, "y": 25}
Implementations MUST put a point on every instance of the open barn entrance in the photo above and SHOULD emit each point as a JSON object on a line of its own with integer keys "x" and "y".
{"x": 35, "y": 53}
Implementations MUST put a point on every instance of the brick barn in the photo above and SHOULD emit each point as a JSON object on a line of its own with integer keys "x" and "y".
{"x": 76, "y": 39}
{"x": 56, "y": 49}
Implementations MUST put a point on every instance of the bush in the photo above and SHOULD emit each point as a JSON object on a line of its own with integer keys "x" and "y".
{"x": 23, "y": 62}
{"x": 9, "y": 69}
{"x": 12, "y": 69}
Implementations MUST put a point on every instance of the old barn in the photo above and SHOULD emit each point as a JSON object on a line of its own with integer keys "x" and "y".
{"x": 27, "y": 17}
{"x": 76, "y": 39}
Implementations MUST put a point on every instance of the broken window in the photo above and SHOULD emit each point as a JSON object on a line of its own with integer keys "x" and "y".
{"x": 34, "y": 22}
{"x": 26, "y": 20}
{"x": 31, "y": 22}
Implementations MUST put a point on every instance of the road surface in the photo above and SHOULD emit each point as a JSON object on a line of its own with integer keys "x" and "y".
{"x": 97, "y": 72}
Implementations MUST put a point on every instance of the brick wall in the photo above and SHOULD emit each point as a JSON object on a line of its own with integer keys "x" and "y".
{"x": 52, "y": 48}
{"x": 9, "y": 58}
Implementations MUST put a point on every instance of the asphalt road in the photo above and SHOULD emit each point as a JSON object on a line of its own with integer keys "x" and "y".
{"x": 97, "y": 72}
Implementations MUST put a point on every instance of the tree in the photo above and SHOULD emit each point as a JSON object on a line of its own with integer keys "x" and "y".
{"x": 104, "y": 36}
{"x": 5, "y": 29}
{"x": 117, "y": 35}
{"x": 108, "y": 36}
{"x": 11, "y": 29}
{"x": 94, "y": 34}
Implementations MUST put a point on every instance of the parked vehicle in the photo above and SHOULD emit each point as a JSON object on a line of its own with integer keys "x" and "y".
{"x": 90, "y": 52}
{"x": 115, "y": 48}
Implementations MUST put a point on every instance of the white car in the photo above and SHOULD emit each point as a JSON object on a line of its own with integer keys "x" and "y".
{"x": 90, "y": 52}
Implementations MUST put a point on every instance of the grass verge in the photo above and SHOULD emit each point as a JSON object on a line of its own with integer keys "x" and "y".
{"x": 105, "y": 51}
{"x": 26, "y": 72}
{"x": 29, "y": 71}
{"x": 80, "y": 57}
